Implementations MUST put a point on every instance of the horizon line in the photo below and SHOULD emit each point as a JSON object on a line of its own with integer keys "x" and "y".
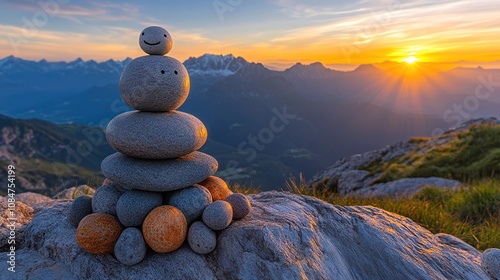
{"x": 287, "y": 65}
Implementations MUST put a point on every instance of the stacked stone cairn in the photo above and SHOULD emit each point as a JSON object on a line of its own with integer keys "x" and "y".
{"x": 159, "y": 189}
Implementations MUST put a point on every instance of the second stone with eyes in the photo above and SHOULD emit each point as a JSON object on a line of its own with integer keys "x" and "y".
{"x": 154, "y": 83}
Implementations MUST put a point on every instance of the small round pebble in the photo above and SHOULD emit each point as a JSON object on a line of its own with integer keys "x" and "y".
{"x": 191, "y": 201}
{"x": 217, "y": 187}
{"x": 97, "y": 233}
{"x": 201, "y": 238}
{"x": 134, "y": 205}
{"x": 165, "y": 229}
{"x": 241, "y": 205}
{"x": 490, "y": 261}
{"x": 104, "y": 200}
{"x": 155, "y": 40}
{"x": 130, "y": 248}
{"x": 79, "y": 208}
{"x": 218, "y": 215}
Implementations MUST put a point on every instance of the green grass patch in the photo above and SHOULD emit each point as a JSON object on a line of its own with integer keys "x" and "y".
{"x": 468, "y": 156}
{"x": 471, "y": 213}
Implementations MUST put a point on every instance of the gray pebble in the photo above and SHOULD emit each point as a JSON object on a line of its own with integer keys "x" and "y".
{"x": 158, "y": 175}
{"x": 130, "y": 247}
{"x": 241, "y": 205}
{"x": 201, "y": 238}
{"x": 80, "y": 207}
{"x": 156, "y": 135}
{"x": 155, "y": 40}
{"x": 191, "y": 201}
{"x": 154, "y": 84}
{"x": 134, "y": 205}
{"x": 490, "y": 261}
{"x": 218, "y": 215}
{"x": 104, "y": 200}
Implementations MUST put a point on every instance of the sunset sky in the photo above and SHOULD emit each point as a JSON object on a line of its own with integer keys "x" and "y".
{"x": 276, "y": 32}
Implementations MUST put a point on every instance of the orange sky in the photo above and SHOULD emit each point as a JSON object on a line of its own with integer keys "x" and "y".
{"x": 277, "y": 33}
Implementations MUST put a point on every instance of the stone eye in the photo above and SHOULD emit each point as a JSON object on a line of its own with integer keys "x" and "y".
{"x": 163, "y": 71}
{"x": 176, "y": 72}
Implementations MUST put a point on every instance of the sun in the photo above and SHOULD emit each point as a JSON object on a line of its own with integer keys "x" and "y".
{"x": 410, "y": 59}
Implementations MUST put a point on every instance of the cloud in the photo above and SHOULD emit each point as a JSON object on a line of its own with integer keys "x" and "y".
{"x": 99, "y": 43}
{"x": 369, "y": 26}
{"x": 78, "y": 13}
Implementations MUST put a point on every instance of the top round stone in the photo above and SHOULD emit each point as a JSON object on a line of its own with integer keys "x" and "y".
{"x": 155, "y": 40}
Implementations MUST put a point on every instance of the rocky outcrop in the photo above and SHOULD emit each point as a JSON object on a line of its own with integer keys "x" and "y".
{"x": 405, "y": 187}
{"x": 355, "y": 175}
{"x": 14, "y": 217}
{"x": 284, "y": 237}
{"x": 349, "y": 177}
{"x": 490, "y": 260}
{"x": 31, "y": 199}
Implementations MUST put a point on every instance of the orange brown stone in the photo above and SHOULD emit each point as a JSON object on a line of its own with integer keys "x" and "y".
{"x": 97, "y": 233}
{"x": 217, "y": 187}
{"x": 165, "y": 229}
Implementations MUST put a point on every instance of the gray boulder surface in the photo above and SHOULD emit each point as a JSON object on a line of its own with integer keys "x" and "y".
{"x": 23, "y": 215}
{"x": 156, "y": 135}
{"x": 31, "y": 198}
{"x": 490, "y": 260}
{"x": 405, "y": 187}
{"x": 285, "y": 236}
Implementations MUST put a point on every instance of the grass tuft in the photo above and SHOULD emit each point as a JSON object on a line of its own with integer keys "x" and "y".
{"x": 471, "y": 213}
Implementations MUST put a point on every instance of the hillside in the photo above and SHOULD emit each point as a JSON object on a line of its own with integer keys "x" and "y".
{"x": 50, "y": 157}
{"x": 259, "y": 120}
{"x": 466, "y": 154}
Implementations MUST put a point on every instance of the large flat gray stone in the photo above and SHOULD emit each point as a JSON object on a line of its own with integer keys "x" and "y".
{"x": 154, "y": 83}
{"x": 156, "y": 135}
{"x": 158, "y": 175}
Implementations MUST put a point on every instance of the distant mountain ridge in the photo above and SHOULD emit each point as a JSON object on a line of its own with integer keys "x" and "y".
{"x": 335, "y": 113}
{"x": 13, "y": 64}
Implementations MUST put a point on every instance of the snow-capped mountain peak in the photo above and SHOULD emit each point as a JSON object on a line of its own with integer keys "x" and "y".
{"x": 214, "y": 65}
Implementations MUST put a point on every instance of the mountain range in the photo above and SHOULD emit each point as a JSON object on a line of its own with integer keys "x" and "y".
{"x": 261, "y": 121}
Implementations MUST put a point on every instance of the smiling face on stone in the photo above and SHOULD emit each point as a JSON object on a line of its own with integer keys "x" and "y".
{"x": 155, "y": 40}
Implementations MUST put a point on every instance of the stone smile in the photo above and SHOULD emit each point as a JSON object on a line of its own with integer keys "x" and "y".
{"x": 151, "y": 44}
